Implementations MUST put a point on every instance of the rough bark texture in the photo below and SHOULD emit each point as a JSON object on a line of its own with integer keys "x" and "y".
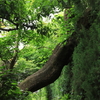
{"x": 51, "y": 71}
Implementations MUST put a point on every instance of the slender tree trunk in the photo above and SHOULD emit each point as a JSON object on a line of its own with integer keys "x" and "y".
{"x": 49, "y": 92}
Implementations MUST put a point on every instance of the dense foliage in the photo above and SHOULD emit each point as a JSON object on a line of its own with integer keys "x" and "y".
{"x": 29, "y": 31}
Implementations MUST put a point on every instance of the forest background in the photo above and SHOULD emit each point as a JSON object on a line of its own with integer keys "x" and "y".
{"x": 31, "y": 31}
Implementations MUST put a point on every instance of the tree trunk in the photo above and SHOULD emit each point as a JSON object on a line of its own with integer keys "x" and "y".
{"x": 51, "y": 71}
{"x": 49, "y": 92}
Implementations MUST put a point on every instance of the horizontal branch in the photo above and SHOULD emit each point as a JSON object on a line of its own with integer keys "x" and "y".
{"x": 16, "y": 24}
{"x": 9, "y": 29}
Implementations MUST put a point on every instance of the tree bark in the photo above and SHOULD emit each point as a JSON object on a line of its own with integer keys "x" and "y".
{"x": 52, "y": 69}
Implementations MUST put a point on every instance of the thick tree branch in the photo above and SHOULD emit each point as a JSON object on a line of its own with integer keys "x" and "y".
{"x": 51, "y": 71}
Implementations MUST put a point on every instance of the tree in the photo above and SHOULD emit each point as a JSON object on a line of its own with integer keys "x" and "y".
{"x": 81, "y": 19}
{"x": 52, "y": 69}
